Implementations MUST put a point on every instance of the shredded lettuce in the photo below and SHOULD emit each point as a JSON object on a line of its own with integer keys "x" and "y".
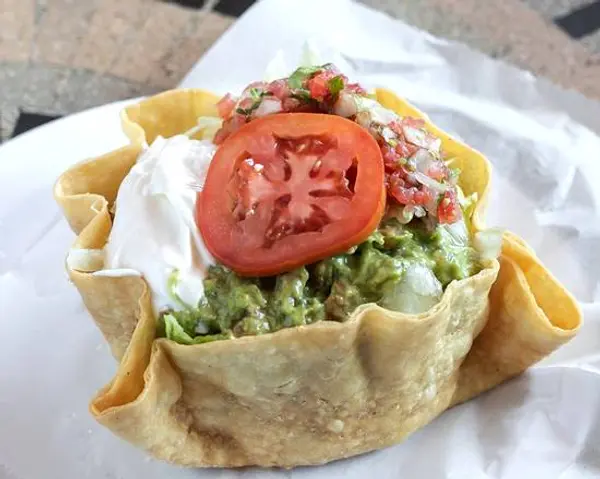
{"x": 310, "y": 54}
{"x": 172, "y": 282}
{"x": 278, "y": 68}
{"x": 175, "y": 331}
{"x": 488, "y": 243}
{"x": 205, "y": 129}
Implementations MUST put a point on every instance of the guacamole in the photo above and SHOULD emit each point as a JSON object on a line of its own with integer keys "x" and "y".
{"x": 400, "y": 267}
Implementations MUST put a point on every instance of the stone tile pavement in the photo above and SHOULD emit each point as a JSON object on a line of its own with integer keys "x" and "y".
{"x": 62, "y": 56}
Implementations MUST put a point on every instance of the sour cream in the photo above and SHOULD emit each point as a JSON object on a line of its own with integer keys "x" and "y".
{"x": 154, "y": 232}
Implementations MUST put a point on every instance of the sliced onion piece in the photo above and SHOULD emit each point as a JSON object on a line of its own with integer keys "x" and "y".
{"x": 388, "y": 134}
{"x": 345, "y": 105}
{"x": 436, "y": 186}
{"x": 418, "y": 291}
{"x": 406, "y": 214}
{"x": 423, "y": 160}
{"x": 363, "y": 118}
{"x": 268, "y": 106}
{"x": 420, "y": 211}
{"x": 457, "y": 232}
{"x": 416, "y": 136}
{"x": 421, "y": 137}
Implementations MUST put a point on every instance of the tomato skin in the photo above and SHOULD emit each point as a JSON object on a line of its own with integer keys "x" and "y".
{"x": 240, "y": 244}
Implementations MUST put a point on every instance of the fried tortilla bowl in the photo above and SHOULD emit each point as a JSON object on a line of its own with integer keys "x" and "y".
{"x": 311, "y": 394}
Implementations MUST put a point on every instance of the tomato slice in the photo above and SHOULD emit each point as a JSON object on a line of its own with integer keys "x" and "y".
{"x": 290, "y": 189}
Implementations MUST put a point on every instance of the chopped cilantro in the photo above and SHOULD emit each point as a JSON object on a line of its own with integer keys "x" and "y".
{"x": 296, "y": 79}
{"x": 336, "y": 84}
{"x": 256, "y": 93}
{"x": 300, "y": 75}
{"x": 302, "y": 95}
{"x": 246, "y": 111}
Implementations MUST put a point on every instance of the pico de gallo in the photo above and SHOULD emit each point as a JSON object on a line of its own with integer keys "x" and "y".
{"x": 317, "y": 200}
{"x": 416, "y": 176}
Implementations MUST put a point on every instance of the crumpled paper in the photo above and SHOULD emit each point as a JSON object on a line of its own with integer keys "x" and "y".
{"x": 545, "y": 148}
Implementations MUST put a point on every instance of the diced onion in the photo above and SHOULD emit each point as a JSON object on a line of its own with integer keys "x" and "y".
{"x": 435, "y": 145}
{"x": 430, "y": 182}
{"x": 387, "y": 134}
{"x": 406, "y": 214}
{"x": 423, "y": 160}
{"x": 418, "y": 291}
{"x": 345, "y": 105}
{"x": 488, "y": 243}
{"x": 208, "y": 125}
{"x": 420, "y": 211}
{"x": 458, "y": 232}
{"x": 268, "y": 106}
{"x": 376, "y": 111}
{"x": 201, "y": 328}
{"x": 420, "y": 137}
{"x": 363, "y": 118}
{"x": 416, "y": 136}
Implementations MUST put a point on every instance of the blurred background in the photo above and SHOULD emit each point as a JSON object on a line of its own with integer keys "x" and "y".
{"x": 62, "y": 56}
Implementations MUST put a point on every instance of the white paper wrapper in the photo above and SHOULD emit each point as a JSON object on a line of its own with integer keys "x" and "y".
{"x": 545, "y": 147}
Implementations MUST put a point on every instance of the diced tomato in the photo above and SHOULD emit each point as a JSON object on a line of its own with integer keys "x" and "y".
{"x": 405, "y": 150}
{"x": 318, "y": 86}
{"x": 409, "y": 195}
{"x": 225, "y": 106}
{"x": 290, "y": 104}
{"x": 229, "y": 126}
{"x": 401, "y": 194}
{"x": 448, "y": 210}
{"x": 438, "y": 171}
{"x": 423, "y": 196}
{"x": 406, "y": 193}
{"x": 390, "y": 158}
{"x": 396, "y": 127}
{"x": 279, "y": 89}
{"x": 413, "y": 122}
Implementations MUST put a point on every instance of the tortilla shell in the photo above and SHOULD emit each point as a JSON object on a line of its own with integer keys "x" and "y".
{"x": 311, "y": 394}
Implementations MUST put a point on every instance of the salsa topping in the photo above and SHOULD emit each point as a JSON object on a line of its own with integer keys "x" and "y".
{"x": 290, "y": 189}
{"x": 417, "y": 180}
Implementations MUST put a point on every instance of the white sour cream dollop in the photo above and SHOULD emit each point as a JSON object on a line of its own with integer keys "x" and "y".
{"x": 154, "y": 232}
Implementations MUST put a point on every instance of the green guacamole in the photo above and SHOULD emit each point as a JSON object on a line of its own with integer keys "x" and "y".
{"x": 400, "y": 267}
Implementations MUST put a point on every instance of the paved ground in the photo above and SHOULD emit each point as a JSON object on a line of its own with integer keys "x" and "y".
{"x": 62, "y": 56}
